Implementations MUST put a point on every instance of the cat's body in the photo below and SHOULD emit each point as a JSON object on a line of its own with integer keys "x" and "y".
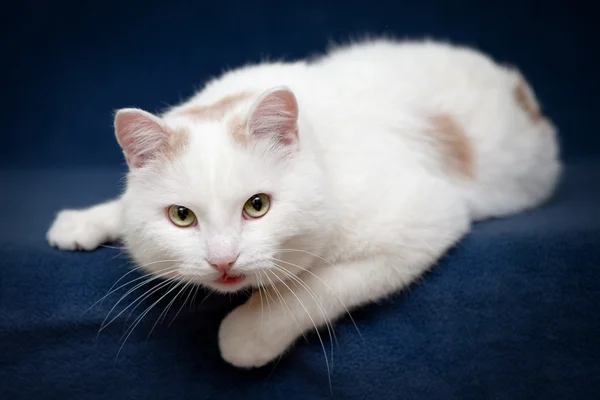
{"x": 376, "y": 159}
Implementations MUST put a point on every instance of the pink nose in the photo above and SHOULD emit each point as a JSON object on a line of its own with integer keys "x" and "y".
{"x": 222, "y": 264}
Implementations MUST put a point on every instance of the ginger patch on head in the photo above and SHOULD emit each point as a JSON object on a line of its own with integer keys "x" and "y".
{"x": 526, "y": 101}
{"x": 177, "y": 140}
{"x": 237, "y": 129}
{"x": 454, "y": 145}
{"x": 216, "y": 110}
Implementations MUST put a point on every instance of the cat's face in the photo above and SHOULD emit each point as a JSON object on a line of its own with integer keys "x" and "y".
{"x": 223, "y": 212}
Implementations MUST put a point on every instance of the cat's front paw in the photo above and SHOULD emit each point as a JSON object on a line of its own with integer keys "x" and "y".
{"x": 245, "y": 342}
{"x": 77, "y": 230}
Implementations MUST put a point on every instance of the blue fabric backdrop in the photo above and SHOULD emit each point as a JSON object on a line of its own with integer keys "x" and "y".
{"x": 511, "y": 313}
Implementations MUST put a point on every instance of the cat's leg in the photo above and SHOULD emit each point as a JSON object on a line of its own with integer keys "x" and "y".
{"x": 255, "y": 333}
{"x": 86, "y": 229}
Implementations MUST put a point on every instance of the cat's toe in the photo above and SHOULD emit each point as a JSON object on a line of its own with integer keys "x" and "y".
{"x": 74, "y": 230}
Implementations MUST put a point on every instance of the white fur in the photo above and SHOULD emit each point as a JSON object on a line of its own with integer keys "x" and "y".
{"x": 363, "y": 198}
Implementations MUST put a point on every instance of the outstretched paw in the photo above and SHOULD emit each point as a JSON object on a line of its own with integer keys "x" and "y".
{"x": 79, "y": 230}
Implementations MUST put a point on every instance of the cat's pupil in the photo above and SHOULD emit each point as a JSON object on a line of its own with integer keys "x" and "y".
{"x": 182, "y": 213}
{"x": 256, "y": 203}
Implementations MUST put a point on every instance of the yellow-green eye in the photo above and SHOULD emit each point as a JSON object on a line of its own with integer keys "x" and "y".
{"x": 257, "y": 205}
{"x": 181, "y": 216}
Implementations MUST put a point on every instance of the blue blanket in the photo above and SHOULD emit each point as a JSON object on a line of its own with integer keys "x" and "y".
{"x": 511, "y": 313}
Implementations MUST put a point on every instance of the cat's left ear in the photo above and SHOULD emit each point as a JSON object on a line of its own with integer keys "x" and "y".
{"x": 274, "y": 116}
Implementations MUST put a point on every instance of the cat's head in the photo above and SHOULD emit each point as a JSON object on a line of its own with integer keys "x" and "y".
{"x": 218, "y": 195}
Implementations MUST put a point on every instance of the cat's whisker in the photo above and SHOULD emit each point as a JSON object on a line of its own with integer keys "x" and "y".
{"x": 259, "y": 281}
{"x": 149, "y": 278}
{"x": 193, "y": 302}
{"x": 210, "y": 293}
{"x": 111, "y": 290}
{"x": 114, "y": 284}
{"x": 113, "y": 247}
{"x": 163, "y": 314}
{"x": 169, "y": 284}
{"x": 277, "y": 292}
{"x": 267, "y": 296}
{"x": 184, "y": 302}
{"x": 139, "y": 299}
{"x": 139, "y": 319}
{"x": 120, "y": 253}
{"x": 165, "y": 311}
{"x": 182, "y": 290}
{"x": 328, "y": 323}
{"x": 309, "y": 253}
{"x": 171, "y": 280}
{"x": 283, "y": 302}
{"x": 149, "y": 292}
{"x": 313, "y": 322}
{"x": 160, "y": 261}
{"x": 129, "y": 272}
{"x": 262, "y": 306}
{"x": 328, "y": 287}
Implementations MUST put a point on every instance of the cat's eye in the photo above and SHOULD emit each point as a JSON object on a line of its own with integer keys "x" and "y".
{"x": 181, "y": 216}
{"x": 257, "y": 205}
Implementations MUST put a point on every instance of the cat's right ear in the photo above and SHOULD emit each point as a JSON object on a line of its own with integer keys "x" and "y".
{"x": 140, "y": 134}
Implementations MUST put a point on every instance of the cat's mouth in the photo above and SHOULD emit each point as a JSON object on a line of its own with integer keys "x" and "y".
{"x": 227, "y": 279}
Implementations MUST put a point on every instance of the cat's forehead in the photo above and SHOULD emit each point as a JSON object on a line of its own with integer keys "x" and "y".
{"x": 202, "y": 137}
{"x": 214, "y": 162}
{"x": 218, "y": 141}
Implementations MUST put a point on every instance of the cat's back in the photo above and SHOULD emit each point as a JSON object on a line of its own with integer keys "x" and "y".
{"x": 477, "y": 118}
{"x": 372, "y": 74}
{"x": 405, "y": 71}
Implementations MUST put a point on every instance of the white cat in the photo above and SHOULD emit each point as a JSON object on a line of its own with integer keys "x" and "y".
{"x": 328, "y": 183}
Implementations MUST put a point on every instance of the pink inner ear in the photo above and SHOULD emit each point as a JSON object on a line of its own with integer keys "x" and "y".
{"x": 275, "y": 115}
{"x": 140, "y": 134}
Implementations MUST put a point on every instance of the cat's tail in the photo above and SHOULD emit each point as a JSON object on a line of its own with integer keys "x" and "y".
{"x": 516, "y": 150}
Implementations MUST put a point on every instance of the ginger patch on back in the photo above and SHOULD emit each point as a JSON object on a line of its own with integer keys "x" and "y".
{"x": 525, "y": 100}
{"x": 454, "y": 145}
